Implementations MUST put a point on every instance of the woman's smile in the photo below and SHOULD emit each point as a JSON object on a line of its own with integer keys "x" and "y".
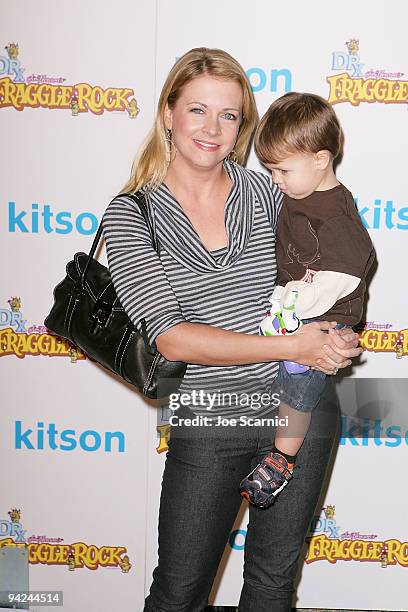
{"x": 206, "y": 146}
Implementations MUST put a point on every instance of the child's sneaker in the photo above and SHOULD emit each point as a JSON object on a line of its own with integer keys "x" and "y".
{"x": 268, "y": 479}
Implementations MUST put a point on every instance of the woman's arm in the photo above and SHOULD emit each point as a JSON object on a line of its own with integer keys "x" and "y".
{"x": 136, "y": 269}
{"x": 206, "y": 345}
{"x": 144, "y": 291}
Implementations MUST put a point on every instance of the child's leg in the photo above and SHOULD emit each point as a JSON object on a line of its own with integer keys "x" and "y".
{"x": 289, "y": 438}
{"x": 302, "y": 391}
{"x": 264, "y": 483}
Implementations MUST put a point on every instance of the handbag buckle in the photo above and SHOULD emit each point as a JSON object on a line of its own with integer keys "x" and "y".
{"x": 100, "y": 314}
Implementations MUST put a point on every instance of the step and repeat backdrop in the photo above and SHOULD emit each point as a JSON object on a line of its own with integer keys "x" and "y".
{"x": 82, "y": 454}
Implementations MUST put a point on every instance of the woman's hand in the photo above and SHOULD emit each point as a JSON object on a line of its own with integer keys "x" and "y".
{"x": 344, "y": 344}
{"x": 326, "y": 352}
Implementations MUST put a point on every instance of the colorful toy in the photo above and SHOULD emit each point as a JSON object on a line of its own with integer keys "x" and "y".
{"x": 281, "y": 321}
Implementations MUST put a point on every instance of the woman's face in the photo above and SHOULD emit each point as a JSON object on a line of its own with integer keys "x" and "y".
{"x": 205, "y": 121}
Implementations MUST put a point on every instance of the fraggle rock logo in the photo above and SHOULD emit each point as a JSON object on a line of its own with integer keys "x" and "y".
{"x": 43, "y": 550}
{"x": 329, "y": 542}
{"x": 19, "y": 340}
{"x": 378, "y": 338}
{"x": 43, "y": 91}
{"x": 354, "y": 85}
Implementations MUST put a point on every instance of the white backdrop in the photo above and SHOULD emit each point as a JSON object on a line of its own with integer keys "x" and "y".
{"x": 88, "y": 510}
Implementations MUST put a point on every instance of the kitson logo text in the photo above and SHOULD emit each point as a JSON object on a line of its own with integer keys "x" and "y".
{"x": 50, "y": 437}
{"x": 43, "y": 219}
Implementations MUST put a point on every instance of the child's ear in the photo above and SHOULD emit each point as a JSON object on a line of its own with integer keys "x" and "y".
{"x": 323, "y": 159}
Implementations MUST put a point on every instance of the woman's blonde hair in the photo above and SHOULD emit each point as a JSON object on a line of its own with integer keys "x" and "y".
{"x": 150, "y": 165}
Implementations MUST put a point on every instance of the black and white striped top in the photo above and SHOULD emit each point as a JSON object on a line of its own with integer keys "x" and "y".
{"x": 227, "y": 288}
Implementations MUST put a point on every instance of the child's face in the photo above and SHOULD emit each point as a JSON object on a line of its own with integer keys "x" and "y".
{"x": 298, "y": 175}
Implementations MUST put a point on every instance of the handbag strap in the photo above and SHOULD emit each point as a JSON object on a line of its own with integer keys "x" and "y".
{"x": 140, "y": 201}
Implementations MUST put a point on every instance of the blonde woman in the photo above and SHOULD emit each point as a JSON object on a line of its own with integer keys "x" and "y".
{"x": 203, "y": 298}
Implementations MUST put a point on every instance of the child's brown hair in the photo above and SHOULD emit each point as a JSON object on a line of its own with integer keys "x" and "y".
{"x": 298, "y": 123}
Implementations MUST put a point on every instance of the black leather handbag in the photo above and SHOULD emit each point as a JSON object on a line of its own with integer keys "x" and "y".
{"x": 87, "y": 312}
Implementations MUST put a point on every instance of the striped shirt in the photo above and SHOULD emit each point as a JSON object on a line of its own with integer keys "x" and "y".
{"x": 226, "y": 288}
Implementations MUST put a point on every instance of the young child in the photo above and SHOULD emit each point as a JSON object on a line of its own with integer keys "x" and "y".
{"x": 323, "y": 253}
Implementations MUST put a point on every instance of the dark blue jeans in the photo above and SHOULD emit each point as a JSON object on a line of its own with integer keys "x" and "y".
{"x": 200, "y": 501}
{"x": 301, "y": 391}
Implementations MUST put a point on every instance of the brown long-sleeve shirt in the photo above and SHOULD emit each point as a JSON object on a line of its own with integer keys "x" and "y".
{"x": 324, "y": 231}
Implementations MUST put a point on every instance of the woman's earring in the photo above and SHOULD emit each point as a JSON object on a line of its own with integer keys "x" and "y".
{"x": 170, "y": 146}
{"x": 232, "y": 156}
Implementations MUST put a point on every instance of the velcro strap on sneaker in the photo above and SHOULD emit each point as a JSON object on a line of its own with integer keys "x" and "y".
{"x": 279, "y": 463}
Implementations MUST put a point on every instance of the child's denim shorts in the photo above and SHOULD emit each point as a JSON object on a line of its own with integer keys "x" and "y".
{"x": 301, "y": 391}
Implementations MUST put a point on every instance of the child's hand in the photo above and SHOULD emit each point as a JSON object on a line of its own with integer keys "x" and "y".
{"x": 344, "y": 343}
{"x": 347, "y": 338}
{"x": 327, "y": 352}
